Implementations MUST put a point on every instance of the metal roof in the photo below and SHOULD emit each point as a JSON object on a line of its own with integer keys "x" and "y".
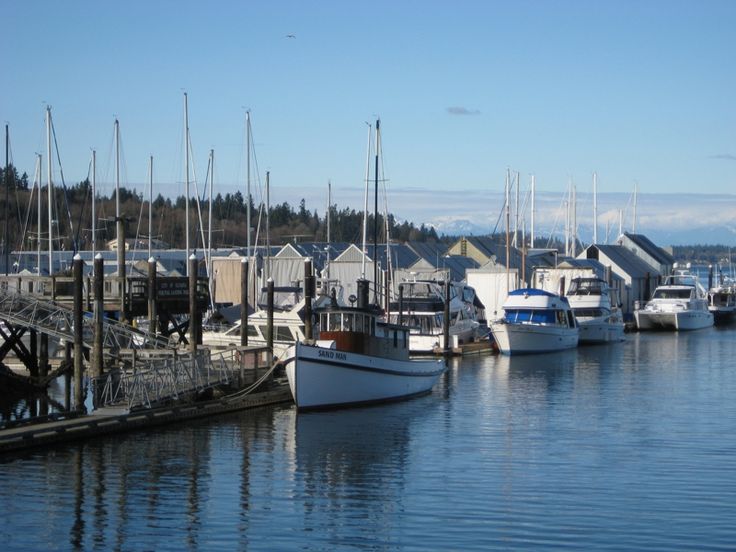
{"x": 624, "y": 258}
{"x": 653, "y": 250}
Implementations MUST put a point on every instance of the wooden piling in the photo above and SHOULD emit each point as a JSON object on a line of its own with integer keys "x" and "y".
{"x": 244, "y": 267}
{"x": 446, "y": 319}
{"x": 78, "y": 269}
{"x": 193, "y": 337}
{"x": 269, "y": 312}
{"x": 308, "y": 293}
{"x": 152, "y": 326}
{"x": 99, "y": 299}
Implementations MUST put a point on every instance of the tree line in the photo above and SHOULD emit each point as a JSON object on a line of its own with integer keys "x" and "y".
{"x": 72, "y": 219}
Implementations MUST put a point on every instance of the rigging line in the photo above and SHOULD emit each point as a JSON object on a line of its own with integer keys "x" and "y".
{"x": 196, "y": 191}
{"x": 556, "y": 221}
{"x": 137, "y": 230}
{"x": 84, "y": 203}
{"x": 28, "y": 217}
{"x": 63, "y": 184}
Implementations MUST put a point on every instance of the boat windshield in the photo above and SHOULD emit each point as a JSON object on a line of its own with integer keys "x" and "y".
{"x": 585, "y": 286}
{"x": 529, "y": 316}
{"x": 665, "y": 293}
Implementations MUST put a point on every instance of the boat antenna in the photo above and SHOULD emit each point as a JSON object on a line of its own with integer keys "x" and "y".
{"x": 365, "y": 206}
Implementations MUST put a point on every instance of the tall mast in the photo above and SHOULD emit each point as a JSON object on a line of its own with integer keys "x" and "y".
{"x": 534, "y": 192}
{"x": 508, "y": 224}
{"x": 150, "y": 205}
{"x": 329, "y": 236}
{"x": 595, "y": 208}
{"x": 120, "y": 227}
{"x": 50, "y": 190}
{"x": 620, "y": 222}
{"x": 365, "y": 206}
{"x": 636, "y": 189}
{"x": 186, "y": 170}
{"x": 7, "y": 197}
{"x": 375, "y": 216}
{"x": 268, "y": 225}
{"x": 39, "y": 164}
{"x": 247, "y": 178}
{"x": 516, "y": 211}
{"x": 574, "y": 233}
{"x": 94, "y": 201}
{"x": 209, "y": 218}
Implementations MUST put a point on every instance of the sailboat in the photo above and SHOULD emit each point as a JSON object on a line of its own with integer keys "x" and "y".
{"x": 358, "y": 358}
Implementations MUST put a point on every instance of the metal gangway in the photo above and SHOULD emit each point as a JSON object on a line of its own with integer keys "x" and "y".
{"x": 48, "y": 317}
{"x": 149, "y": 378}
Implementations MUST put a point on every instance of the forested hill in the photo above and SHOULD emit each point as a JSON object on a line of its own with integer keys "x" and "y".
{"x": 73, "y": 213}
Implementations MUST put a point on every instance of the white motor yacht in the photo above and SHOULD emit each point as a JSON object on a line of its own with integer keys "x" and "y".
{"x": 535, "y": 321}
{"x": 681, "y": 303}
{"x": 597, "y": 314}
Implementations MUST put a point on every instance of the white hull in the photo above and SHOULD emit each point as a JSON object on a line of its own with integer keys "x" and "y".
{"x": 515, "y": 339}
{"x": 428, "y": 343}
{"x": 598, "y": 331}
{"x": 321, "y": 377}
{"x": 681, "y": 320}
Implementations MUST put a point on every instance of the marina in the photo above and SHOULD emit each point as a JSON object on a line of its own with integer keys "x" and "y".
{"x": 627, "y": 446}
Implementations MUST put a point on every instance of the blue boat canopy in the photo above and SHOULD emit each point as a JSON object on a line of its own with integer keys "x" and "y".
{"x": 532, "y": 291}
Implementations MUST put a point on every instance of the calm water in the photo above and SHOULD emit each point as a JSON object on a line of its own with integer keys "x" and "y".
{"x": 623, "y": 447}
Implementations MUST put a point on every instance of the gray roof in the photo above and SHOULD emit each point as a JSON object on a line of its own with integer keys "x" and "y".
{"x": 653, "y": 250}
{"x": 622, "y": 257}
{"x": 432, "y": 252}
{"x": 491, "y": 248}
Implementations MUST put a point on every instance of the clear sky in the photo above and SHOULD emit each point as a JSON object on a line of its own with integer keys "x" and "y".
{"x": 635, "y": 90}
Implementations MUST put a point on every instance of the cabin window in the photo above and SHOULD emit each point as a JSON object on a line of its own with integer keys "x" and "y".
{"x": 396, "y": 338}
{"x": 323, "y": 322}
{"x": 561, "y": 317}
{"x": 403, "y": 334}
{"x": 359, "y": 323}
{"x": 264, "y": 331}
{"x": 671, "y": 294}
{"x": 373, "y": 326}
{"x": 570, "y": 319}
{"x": 302, "y": 330}
{"x": 283, "y": 333}
{"x": 348, "y": 321}
{"x": 334, "y": 322}
{"x": 252, "y": 332}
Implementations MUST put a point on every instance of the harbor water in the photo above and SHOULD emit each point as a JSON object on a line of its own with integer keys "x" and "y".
{"x": 629, "y": 446}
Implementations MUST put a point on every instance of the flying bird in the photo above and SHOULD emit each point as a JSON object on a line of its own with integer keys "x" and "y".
{"x": 290, "y": 36}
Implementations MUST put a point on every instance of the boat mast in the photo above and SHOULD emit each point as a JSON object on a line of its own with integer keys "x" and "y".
{"x": 268, "y": 225}
{"x": 636, "y": 190}
{"x": 329, "y": 237}
{"x": 7, "y": 196}
{"x": 120, "y": 228}
{"x": 375, "y": 216}
{"x": 508, "y": 222}
{"x": 516, "y": 211}
{"x": 186, "y": 170}
{"x": 150, "y": 204}
{"x": 209, "y": 229}
{"x": 94, "y": 201}
{"x": 534, "y": 192}
{"x": 365, "y": 206}
{"x": 50, "y": 190}
{"x": 247, "y": 179}
{"x": 595, "y": 207}
{"x": 39, "y": 164}
{"x": 574, "y": 233}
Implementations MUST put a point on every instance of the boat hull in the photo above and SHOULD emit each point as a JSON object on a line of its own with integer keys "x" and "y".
{"x": 516, "y": 339}
{"x": 327, "y": 378}
{"x": 673, "y": 321}
{"x": 596, "y": 331}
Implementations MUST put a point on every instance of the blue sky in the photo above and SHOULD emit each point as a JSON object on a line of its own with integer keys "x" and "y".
{"x": 637, "y": 91}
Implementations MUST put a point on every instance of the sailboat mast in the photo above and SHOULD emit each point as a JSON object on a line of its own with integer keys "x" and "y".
{"x": 247, "y": 179}
{"x": 508, "y": 223}
{"x": 7, "y": 197}
{"x": 94, "y": 203}
{"x": 209, "y": 217}
{"x": 150, "y": 204}
{"x": 636, "y": 190}
{"x": 50, "y": 190}
{"x": 516, "y": 211}
{"x": 534, "y": 192}
{"x": 574, "y": 232}
{"x": 595, "y": 207}
{"x": 120, "y": 227}
{"x": 329, "y": 236}
{"x": 268, "y": 225}
{"x": 186, "y": 170}
{"x": 375, "y": 215}
{"x": 39, "y": 164}
{"x": 365, "y": 206}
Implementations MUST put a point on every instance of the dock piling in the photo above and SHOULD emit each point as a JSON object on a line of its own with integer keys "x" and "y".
{"x": 78, "y": 331}
{"x": 244, "y": 301}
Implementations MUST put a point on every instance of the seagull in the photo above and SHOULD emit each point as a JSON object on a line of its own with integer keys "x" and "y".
{"x": 290, "y": 36}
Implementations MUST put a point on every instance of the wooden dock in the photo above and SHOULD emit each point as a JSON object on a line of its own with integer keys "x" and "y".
{"x": 104, "y": 421}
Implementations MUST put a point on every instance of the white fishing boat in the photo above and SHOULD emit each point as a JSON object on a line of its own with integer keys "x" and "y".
{"x": 680, "y": 303}
{"x": 358, "y": 359}
{"x": 535, "y": 321}
{"x": 422, "y": 308}
{"x": 597, "y": 315}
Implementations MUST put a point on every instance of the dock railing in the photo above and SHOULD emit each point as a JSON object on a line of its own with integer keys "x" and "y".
{"x": 153, "y": 378}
